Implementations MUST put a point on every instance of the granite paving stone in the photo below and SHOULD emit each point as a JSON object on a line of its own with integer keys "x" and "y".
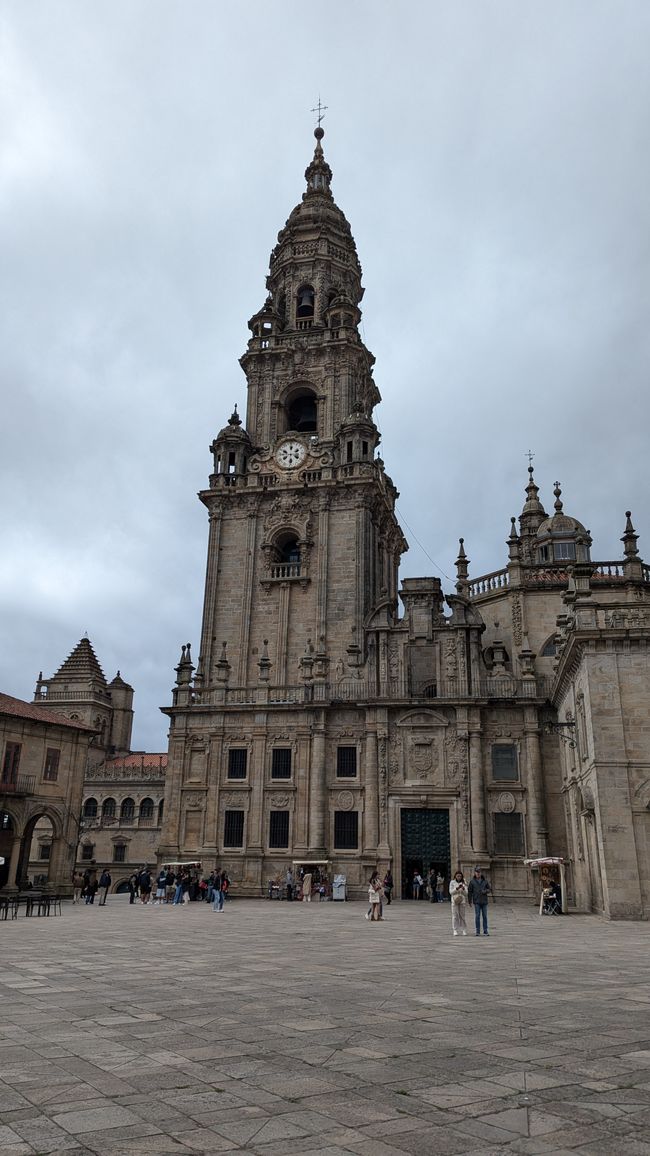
{"x": 322, "y": 1035}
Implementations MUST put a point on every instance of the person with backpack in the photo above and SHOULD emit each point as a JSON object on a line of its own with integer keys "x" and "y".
{"x": 144, "y": 883}
{"x": 458, "y": 896}
{"x": 104, "y": 884}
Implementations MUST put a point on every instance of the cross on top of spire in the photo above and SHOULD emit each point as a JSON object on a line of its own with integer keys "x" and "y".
{"x": 321, "y": 109}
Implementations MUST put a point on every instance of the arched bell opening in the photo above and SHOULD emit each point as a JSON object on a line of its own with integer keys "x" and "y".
{"x": 305, "y": 303}
{"x": 302, "y": 412}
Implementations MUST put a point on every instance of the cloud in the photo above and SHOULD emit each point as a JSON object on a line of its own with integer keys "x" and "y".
{"x": 492, "y": 162}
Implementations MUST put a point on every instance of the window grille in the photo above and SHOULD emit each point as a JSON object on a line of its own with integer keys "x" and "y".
{"x": 279, "y": 829}
{"x": 233, "y": 829}
{"x": 346, "y": 762}
{"x": 237, "y": 762}
{"x": 504, "y": 762}
{"x": 281, "y": 763}
{"x": 508, "y": 834}
{"x": 346, "y": 830}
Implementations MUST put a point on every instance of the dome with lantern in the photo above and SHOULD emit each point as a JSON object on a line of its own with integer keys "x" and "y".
{"x": 561, "y": 538}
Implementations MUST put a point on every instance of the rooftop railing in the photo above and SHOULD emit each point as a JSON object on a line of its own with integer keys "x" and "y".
{"x": 359, "y": 691}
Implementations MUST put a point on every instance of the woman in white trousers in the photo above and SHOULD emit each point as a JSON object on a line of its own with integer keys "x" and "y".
{"x": 458, "y": 896}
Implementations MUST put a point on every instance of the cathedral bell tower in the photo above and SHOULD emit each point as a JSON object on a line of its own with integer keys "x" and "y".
{"x": 303, "y": 556}
{"x": 304, "y": 543}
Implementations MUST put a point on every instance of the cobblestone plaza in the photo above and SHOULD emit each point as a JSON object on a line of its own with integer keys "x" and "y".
{"x": 280, "y": 1029}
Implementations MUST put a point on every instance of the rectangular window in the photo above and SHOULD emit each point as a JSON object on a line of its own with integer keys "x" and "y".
{"x": 87, "y": 852}
{"x": 237, "y": 762}
{"x": 233, "y": 829}
{"x": 564, "y": 551}
{"x": 11, "y": 763}
{"x": 346, "y": 762}
{"x": 508, "y": 834}
{"x": 504, "y": 762}
{"x": 281, "y": 763}
{"x": 119, "y": 853}
{"x": 51, "y": 768}
{"x": 44, "y": 851}
{"x": 279, "y": 829}
{"x": 346, "y": 830}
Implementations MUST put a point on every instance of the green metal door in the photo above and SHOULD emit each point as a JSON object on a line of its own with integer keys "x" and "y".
{"x": 425, "y": 844}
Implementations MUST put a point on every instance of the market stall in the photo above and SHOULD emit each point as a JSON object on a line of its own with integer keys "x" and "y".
{"x": 551, "y": 880}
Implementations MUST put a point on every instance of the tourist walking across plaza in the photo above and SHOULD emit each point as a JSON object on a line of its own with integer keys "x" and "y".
{"x": 458, "y": 896}
{"x": 477, "y": 894}
{"x": 77, "y": 886}
{"x": 104, "y": 884}
{"x": 375, "y": 894}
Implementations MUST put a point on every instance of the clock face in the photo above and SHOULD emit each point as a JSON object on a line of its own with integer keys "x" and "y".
{"x": 290, "y": 454}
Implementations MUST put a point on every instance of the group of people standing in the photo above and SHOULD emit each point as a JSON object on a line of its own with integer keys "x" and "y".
{"x": 433, "y": 887}
{"x": 460, "y": 893}
{"x": 475, "y": 893}
{"x": 86, "y": 885}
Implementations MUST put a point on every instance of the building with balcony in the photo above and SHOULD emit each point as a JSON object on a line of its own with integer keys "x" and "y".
{"x": 44, "y": 758}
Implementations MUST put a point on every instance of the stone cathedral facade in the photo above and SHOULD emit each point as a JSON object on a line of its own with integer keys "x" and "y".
{"x": 334, "y": 717}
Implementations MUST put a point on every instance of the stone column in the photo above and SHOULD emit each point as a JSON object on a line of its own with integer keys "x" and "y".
{"x": 318, "y": 792}
{"x": 476, "y": 788}
{"x": 13, "y": 864}
{"x": 371, "y": 812}
{"x": 535, "y": 794}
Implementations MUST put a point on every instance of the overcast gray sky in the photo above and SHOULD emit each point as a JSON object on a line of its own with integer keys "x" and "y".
{"x": 492, "y": 159}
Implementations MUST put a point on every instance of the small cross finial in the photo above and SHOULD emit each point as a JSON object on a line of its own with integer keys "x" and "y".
{"x": 321, "y": 109}
{"x": 530, "y": 455}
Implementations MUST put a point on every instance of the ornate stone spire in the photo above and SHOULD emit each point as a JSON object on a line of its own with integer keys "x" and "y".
{"x": 318, "y": 174}
{"x": 633, "y": 565}
{"x": 462, "y": 568}
{"x": 531, "y": 517}
{"x": 629, "y": 538}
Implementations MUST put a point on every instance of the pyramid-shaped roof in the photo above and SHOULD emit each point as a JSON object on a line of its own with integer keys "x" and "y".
{"x": 82, "y": 664}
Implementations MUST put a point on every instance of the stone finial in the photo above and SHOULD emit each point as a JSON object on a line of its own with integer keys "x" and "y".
{"x": 462, "y": 567}
{"x": 558, "y": 498}
{"x": 185, "y": 666}
{"x": 629, "y": 538}
{"x": 234, "y": 419}
{"x": 222, "y": 667}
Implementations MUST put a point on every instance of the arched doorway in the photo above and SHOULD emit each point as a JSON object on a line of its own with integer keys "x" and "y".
{"x": 38, "y": 866}
{"x": 36, "y": 847}
{"x": 7, "y": 836}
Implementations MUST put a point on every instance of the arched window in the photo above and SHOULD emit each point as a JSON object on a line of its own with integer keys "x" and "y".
{"x": 549, "y": 649}
{"x": 302, "y": 413}
{"x": 305, "y": 300}
{"x": 108, "y": 809}
{"x": 127, "y": 811}
{"x": 90, "y": 809}
{"x": 287, "y": 561}
{"x": 146, "y": 810}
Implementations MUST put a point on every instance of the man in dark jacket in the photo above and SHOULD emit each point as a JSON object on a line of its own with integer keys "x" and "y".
{"x": 104, "y": 884}
{"x": 477, "y": 893}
